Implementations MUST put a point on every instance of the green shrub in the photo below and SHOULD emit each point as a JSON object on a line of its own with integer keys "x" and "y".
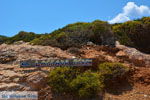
{"x": 23, "y": 36}
{"x": 83, "y": 83}
{"x": 121, "y": 35}
{"x": 134, "y": 33}
{"x": 43, "y": 40}
{"x": 60, "y": 78}
{"x": 75, "y": 82}
{"x": 111, "y": 71}
{"x": 3, "y": 39}
{"x": 88, "y": 84}
{"x": 78, "y": 34}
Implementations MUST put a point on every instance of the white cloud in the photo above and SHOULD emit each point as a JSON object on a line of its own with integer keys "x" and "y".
{"x": 131, "y": 11}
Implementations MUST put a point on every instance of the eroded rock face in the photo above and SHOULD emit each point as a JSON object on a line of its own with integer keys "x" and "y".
{"x": 14, "y": 78}
{"x": 15, "y": 53}
{"x": 37, "y": 80}
{"x": 10, "y": 87}
{"x": 7, "y": 55}
{"x": 136, "y": 57}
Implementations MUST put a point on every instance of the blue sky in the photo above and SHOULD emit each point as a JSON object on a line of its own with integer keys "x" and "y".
{"x": 44, "y": 16}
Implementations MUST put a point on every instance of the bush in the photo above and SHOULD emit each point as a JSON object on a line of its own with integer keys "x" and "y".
{"x": 45, "y": 39}
{"x": 78, "y": 34}
{"x": 3, "y": 39}
{"x": 60, "y": 78}
{"x": 85, "y": 83}
{"x": 112, "y": 71}
{"x": 75, "y": 82}
{"x": 23, "y": 36}
{"x": 134, "y": 33}
{"x": 88, "y": 84}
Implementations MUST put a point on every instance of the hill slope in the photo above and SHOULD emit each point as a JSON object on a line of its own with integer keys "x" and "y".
{"x": 78, "y": 34}
{"x": 23, "y": 79}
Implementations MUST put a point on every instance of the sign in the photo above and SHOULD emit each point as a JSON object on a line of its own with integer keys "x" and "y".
{"x": 18, "y": 95}
{"x": 56, "y": 63}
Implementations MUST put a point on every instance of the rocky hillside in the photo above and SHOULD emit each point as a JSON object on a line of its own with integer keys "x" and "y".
{"x": 78, "y": 34}
{"x": 120, "y": 70}
{"x": 134, "y": 33}
{"x": 12, "y": 77}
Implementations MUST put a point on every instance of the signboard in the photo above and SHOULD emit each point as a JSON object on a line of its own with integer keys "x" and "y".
{"x": 56, "y": 63}
{"x": 18, "y": 95}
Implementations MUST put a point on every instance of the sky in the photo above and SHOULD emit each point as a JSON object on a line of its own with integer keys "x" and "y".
{"x": 45, "y": 16}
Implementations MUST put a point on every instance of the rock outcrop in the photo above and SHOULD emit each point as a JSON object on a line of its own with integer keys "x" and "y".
{"x": 14, "y": 78}
{"x": 13, "y": 54}
{"x": 7, "y": 55}
{"x": 134, "y": 56}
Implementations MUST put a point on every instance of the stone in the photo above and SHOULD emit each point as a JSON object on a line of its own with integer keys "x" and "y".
{"x": 121, "y": 54}
{"x": 90, "y": 43}
{"x": 37, "y": 81}
{"x": 134, "y": 56}
{"x": 145, "y": 95}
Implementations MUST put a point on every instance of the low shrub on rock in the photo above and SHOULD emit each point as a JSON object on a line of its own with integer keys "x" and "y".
{"x": 74, "y": 81}
{"x": 60, "y": 79}
{"x": 84, "y": 83}
{"x": 78, "y": 34}
{"x": 88, "y": 84}
{"x": 3, "y": 39}
{"x": 112, "y": 70}
{"x": 23, "y": 36}
{"x": 113, "y": 73}
{"x": 134, "y": 33}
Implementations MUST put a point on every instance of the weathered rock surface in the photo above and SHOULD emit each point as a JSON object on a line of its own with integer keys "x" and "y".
{"x": 37, "y": 80}
{"x": 134, "y": 56}
{"x": 13, "y": 54}
{"x": 14, "y": 78}
{"x": 7, "y": 55}
{"x": 10, "y": 87}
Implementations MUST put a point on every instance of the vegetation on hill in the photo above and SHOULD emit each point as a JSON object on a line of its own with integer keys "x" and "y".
{"x": 134, "y": 33}
{"x": 78, "y": 34}
{"x": 3, "y": 39}
{"x": 80, "y": 82}
{"x": 23, "y": 36}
